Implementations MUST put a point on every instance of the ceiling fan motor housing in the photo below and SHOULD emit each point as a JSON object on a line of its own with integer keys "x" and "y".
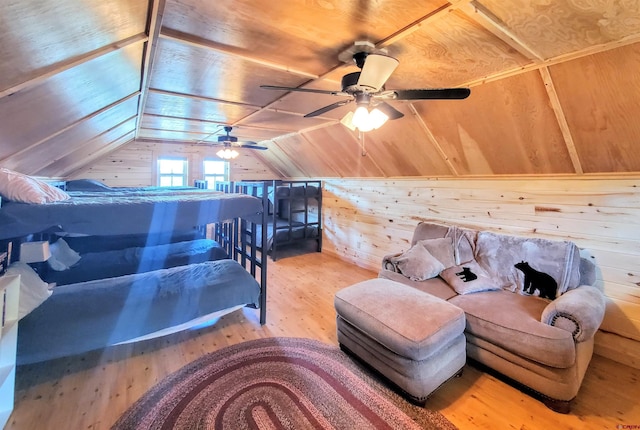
{"x": 350, "y": 82}
{"x": 227, "y": 138}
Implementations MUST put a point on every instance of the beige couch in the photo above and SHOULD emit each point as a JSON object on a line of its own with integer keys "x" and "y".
{"x": 544, "y": 345}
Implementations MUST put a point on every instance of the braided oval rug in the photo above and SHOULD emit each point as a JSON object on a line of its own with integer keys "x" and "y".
{"x": 275, "y": 383}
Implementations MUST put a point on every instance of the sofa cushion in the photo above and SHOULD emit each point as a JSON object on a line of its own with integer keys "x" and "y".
{"x": 434, "y": 286}
{"x": 468, "y": 278}
{"x": 418, "y": 264}
{"x": 512, "y": 321}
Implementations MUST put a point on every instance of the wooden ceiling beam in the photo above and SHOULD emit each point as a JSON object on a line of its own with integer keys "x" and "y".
{"x": 324, "y": 161}
{"x": 170, "y": 130}
{"x": 60, "y": 155}
{"x": 199, "y": 42}
{"x": 555, "y": 60}
{"x": 82, "y": 164}
{"x": 154, "y": 23}
{"x": 417, "y": 24}
{"x": 200, "y": 98}
{"x": 63, "y": 66}
{"x": 291, "y": 160}
{"x": 206, "y": 121}
{"x": 266, "y": 162}
{"x": 431, "y": 138}
{"x": 72, "y": 125}
{"x": 483, "y": 16}
{"x": 562, "y": 120}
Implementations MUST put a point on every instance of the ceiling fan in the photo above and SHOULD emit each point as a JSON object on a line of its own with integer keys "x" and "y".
{"x": 229, "y": 142}
{"x": 366, "y": 88}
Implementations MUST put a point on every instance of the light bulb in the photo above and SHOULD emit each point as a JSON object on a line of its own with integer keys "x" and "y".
{"x": 361, "y": 119}
{"x": 377, "y": 118}
{"x": 347, "y": 121}
{"x": 227, "y": 154}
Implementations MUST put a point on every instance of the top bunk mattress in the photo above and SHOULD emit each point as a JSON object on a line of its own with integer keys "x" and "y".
{"x": 126, "y": 212}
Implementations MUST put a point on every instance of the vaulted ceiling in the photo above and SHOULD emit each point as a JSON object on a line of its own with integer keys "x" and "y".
{"x": 555, "y": 87}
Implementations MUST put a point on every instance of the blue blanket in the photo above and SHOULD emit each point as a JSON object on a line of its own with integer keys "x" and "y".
{"x": 91, "y": 315}
{"x": 109, "y": 264}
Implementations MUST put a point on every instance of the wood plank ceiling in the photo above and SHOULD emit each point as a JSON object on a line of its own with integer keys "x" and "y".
{"x": 555, "y": 83}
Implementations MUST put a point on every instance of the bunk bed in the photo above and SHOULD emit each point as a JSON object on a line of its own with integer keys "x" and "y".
{"x": 121, "y": 212}
{"x": 294, "y": 211}
{"x": 99, "y": 263}
{"x": 86, "y": 315}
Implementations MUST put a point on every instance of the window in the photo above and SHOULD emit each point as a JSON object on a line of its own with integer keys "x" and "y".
{"x": 215, "y": 171}
{"x": 172, "y": 172}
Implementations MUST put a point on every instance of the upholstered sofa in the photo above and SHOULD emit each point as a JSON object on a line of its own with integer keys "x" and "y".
{"x": 544, "y": 345}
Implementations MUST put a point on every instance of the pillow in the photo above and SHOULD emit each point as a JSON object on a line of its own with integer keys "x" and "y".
{"x": 26, "y": 189}
{"x": 86, "y": 185}
{"x": 468, "y": 278}
{"x": 442, "y": 249}
{"x": 62, "y": 256}
{"x": 33, "y": 290}
{"x": 418, "y": 264}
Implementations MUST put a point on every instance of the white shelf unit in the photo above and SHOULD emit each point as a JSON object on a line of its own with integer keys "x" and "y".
{"x": 9, "y": 295}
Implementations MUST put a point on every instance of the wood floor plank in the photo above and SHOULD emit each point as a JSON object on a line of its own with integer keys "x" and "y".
{"x": 92, "y": 390}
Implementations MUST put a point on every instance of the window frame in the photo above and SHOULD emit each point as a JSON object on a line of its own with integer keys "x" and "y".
{"x": 216, "y": 176}
{"x": 184, "y": 175}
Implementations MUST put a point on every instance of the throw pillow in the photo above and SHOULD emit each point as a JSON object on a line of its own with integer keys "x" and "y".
{"x": 33, "y": 290}
{"x": 26, "y": 189}
{"x": 62, "y": 256}
{"x": 442, "y": 249}
{"x": 418, "y": 264}
{"x": 468, "y": 278}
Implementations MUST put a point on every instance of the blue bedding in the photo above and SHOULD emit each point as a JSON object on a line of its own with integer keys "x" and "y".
{"x": 126, "y": 212}
{"x": 97, "y": 243}
{"x": 108, "y": 264}
{"x": 91, "y": 315}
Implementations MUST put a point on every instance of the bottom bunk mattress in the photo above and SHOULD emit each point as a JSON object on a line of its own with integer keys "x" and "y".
{"x": 97, "y": 243}
{"x": 286, "y": 233}
{"x": 91, "y": 315}
{"x": 118, "y": 262}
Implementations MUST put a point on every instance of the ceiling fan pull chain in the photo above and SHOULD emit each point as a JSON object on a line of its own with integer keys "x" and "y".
{"x": 361, "y": 138}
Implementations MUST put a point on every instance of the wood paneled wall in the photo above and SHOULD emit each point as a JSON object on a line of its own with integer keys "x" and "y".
{"x": 364, "y": 219}
{"x": 134, "y": 165}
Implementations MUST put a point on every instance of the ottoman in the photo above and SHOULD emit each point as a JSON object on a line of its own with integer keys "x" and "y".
{"x": 413, "y": 339}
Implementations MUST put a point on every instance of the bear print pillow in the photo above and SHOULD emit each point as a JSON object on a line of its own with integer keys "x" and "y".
{"x": 468, "y": 278}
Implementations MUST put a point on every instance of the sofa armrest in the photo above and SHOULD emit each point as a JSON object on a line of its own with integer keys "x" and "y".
{"x": 387, "y": 263}
{"x": 579, "y": 311}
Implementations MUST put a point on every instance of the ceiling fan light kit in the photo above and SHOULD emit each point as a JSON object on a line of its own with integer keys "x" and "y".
{"x": 228, "y": 142}
{"x": 364, "y": 120}
{"x": 227, "y": 154}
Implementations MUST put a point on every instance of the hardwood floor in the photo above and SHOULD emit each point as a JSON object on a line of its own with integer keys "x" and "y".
{"x": 92, "y": 390}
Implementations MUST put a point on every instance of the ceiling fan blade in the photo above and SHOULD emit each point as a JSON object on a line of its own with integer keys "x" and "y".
{"x": 376, "y": 70}
{"x": 432, "y": 94}
{"x": 304, "y": 90}
{"x": 328, "y": 108}
{"x": 252, "y": 145}
{"x": 389, "y": 110}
